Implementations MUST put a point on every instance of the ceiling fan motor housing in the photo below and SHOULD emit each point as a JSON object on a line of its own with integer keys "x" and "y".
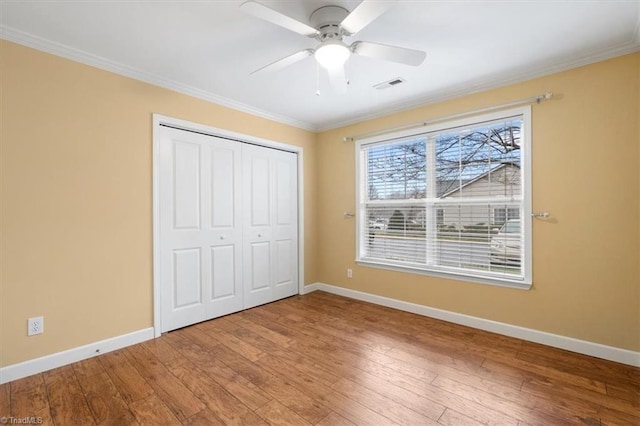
{"x": 327, "y": 20}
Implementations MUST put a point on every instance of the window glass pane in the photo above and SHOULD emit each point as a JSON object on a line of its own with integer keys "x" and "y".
{"x": 397, "y": 171}
{"x": 472, "y": 240}
{"x": 480, "y": 161}
{"x": 506, "y": 249}
{"x": 395, "y": 233}
{"x": 449, "y": 201}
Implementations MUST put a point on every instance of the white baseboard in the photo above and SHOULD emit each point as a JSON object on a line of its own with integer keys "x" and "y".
{"x": 310, "y": 288}
{"x": 610, "y": 353}
{"x": 48, "y": 362}
{"x": 624, "y": 356}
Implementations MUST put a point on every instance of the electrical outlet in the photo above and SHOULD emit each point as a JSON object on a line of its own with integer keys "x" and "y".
{"x": 349, "y": 273}
{"x": 35, "y": 326}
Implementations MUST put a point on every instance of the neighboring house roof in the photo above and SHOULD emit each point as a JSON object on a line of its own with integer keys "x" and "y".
{"x": 449, "y": 187}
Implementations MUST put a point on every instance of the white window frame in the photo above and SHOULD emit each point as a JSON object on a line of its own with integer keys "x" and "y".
{"x": 523, "y": 282}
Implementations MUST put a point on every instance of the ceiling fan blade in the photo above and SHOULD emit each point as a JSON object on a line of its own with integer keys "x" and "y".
{"x": 401, "y": 55}
{"x": 286, "y": 61}
{"x": 364, "y": 14}
{"x": 263, "y": 12}
{"x": 338, "y": 79}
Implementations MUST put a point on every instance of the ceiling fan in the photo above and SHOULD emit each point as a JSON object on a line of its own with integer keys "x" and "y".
{"x": 328, "y": 25}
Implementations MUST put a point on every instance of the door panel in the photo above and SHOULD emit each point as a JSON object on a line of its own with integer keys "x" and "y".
{"x": 260, "y": 267}
{"x": 285, "y": 231}
{"x": 224, "y": 283}
{"x": 225, "y": 228}
{"x": 223, "y": 184}
{"x": 186, "y": 175}
{"x": 283, "y": 262}
{"x": 270, "y": 228}
{"x": 199, "y": 213}
{"x": 284, "y": 197}
{"x": 187, "y": 288}
{"x": 260, "y": 188}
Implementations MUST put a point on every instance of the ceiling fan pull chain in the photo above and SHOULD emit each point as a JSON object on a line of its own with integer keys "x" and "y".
{"x": 317, "y": 79}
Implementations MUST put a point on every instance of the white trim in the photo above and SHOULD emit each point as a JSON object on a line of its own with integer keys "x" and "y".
{"x": 159, "y": 119}
{"x": 527, "y": 194}
{"x": 310, "y": 288}
{"x": 492, "y": 280}
{"x": 216, "y": 131}
{"x": 155, "y": 238}
{"x": 58, "y": 359}
{"x": 479, "y": 118}
{"x": 379, "y": 138}
{"x": 63, "y": 51}
{"x": 58, "y": 49}
{"x": 598, "y": 350}
{"x": 300, "y": 221}
{"x": 483, "y": 85}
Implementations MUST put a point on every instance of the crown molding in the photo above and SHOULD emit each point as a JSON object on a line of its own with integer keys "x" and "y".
{"x": 447, "y": 94}
{"x": 58, "y": 49}
{"x": 477, "y": 86}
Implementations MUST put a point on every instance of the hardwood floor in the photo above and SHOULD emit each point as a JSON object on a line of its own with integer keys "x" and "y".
{"x": 322, "y": 359}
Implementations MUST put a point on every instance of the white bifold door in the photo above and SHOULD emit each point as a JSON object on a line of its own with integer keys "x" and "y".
{"x": 228, "y": 216}
{"x": 270, "y": 219}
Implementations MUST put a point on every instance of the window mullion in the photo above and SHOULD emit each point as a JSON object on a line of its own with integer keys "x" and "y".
{"x": 432, "y": 190}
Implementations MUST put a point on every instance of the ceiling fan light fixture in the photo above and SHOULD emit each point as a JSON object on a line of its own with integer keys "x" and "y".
{"x": 332, "y": 54}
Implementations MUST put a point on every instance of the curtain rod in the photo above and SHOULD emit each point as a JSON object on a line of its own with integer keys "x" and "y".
{"x": 526, "y": 101}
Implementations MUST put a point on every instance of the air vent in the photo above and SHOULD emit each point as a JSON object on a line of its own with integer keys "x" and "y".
{"x": 393, "y": 82}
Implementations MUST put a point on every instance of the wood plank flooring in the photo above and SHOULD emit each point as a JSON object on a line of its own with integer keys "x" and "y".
{"x": 322, "y": 359}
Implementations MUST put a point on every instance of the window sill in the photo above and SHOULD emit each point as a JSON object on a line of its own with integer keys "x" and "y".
{"x": 520, "y": 284}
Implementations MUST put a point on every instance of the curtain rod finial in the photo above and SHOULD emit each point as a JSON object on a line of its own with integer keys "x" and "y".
{"x": 545, "y": 97}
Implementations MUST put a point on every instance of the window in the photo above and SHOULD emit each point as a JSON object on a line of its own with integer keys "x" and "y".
{"x": 439, "y": 201}
{"x": 502, "y": 215}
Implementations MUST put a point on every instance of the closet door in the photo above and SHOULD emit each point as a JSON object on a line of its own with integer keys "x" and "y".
{"x": 270, "y": 216}
{"x": 200, "y": 228}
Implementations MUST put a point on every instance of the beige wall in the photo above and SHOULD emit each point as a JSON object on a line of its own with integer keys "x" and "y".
{"x": 77, "y": 198}
{"x": 586, "y": 282}
{"x": 76, "y": 223}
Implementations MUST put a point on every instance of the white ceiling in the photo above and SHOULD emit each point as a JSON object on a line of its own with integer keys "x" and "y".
{"x": 209, "y": 48}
